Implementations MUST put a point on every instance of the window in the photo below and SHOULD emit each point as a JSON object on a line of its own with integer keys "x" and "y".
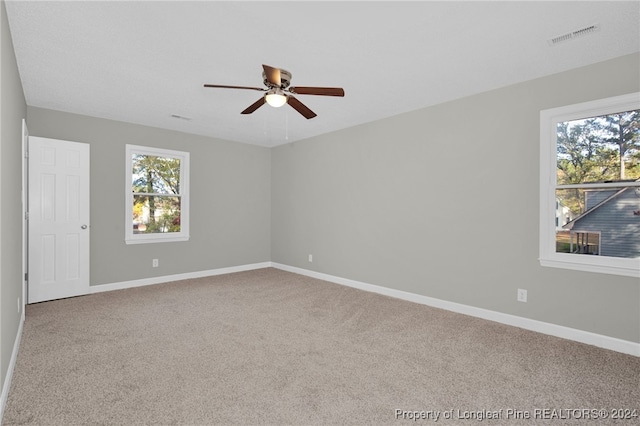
{"x": 157, "y": 195}
{"x": 590, "y": 186}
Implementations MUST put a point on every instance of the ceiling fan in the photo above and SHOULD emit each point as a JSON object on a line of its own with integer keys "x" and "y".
{"x": 279, "y": 93}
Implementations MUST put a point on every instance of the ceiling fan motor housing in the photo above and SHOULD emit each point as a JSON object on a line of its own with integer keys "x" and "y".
{"x": 285, "y": 79}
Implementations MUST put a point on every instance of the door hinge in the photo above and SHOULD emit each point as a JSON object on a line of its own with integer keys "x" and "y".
{"x": 26, "y": 154}
{"x": 26, "y": 215}
{"x": 26, "y": 276}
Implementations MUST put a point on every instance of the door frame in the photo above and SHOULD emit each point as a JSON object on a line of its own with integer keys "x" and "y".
{"x": 25, "y": 216}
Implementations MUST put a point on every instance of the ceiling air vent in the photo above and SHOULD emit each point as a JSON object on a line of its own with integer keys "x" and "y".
{"x": 574, "y": 34}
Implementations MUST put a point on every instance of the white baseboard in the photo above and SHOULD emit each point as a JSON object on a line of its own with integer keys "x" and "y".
{"x": 176, "y": 277}
{"x": 12, "y": 364}
{"x": 605, "y": 342}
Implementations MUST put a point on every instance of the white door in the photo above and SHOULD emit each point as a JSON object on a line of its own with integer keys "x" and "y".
{"x": 58, "y": 219}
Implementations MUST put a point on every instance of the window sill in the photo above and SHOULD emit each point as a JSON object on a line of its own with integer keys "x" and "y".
{"x": 612, "y": 266}
{"x": 154, "y": 239}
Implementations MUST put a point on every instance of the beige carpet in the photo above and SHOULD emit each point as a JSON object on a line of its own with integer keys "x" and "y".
{"x": 272, "y": 347}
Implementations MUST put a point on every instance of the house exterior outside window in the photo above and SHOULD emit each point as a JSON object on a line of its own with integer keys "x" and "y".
{"x": 590, "y": 186}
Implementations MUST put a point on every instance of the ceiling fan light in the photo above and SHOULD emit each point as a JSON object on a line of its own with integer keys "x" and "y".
{"x": 276, "y": 99}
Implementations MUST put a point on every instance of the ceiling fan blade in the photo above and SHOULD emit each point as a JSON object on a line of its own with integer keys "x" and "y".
{"x": 322, "y": 91}
{"x": 272, "y": 74}
{"x": 254, "y": 106}
{"x": 300, "y": 107}
{"x": 220, "y": 86}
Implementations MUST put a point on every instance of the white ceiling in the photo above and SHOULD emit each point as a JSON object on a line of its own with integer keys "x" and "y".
{"x": 142, "y": 62}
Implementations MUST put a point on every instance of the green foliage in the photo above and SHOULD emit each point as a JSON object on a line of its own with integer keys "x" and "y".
{"x": 156, "y": 174}
{"x": 169, "y": 221}
{"x": 156, "y": 184}
{"x": 597, "y": 149}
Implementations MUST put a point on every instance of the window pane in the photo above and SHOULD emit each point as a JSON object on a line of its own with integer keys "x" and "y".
{"x": 155, "y": 175}
{"x": 599, "y": 149}
{"x": 156, "y": 214}
{"x": 598, "y": 221}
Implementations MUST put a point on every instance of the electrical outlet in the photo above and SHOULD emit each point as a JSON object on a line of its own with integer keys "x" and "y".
{"x": 522, "y": 295}
{"x": 310, "y": 258}
{"x": 155, "y": 263}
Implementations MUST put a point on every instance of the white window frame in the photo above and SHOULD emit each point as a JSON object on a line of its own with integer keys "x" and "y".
{"x": 183, "y": 235}
{"x": 549, "y": 120}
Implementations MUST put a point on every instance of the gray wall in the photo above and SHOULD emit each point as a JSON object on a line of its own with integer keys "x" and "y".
{"x": 12, "y": 110}
{"x": 230, "y": 192}
{"x": 417, "y": 203}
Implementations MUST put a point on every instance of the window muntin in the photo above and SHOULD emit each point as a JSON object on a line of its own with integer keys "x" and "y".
{"x": 589, "y": 186}
{"x": 157, "y": 195}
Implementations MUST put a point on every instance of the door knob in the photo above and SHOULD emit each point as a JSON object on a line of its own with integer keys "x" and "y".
{"x": 84, "y": 227}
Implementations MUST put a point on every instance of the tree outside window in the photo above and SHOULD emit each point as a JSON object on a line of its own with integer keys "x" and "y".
{"x": 590, "y": 186}
{"x": 156, "y": 200}
{"x": 157, "y": 196}
{"x": 596, "y": 150}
